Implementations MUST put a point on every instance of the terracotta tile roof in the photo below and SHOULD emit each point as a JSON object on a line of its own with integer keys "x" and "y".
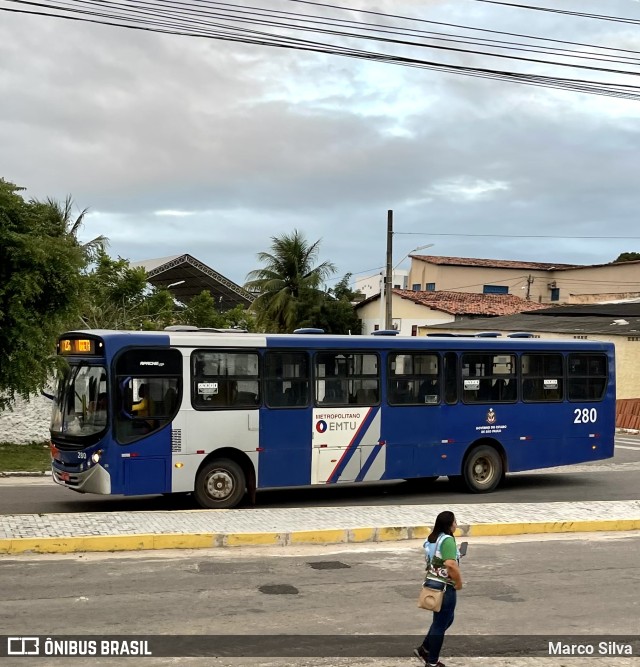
{"x": 493, "y": 263}
{"x": 465, "y": 303}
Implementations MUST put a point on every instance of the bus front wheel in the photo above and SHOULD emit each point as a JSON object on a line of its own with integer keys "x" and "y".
{"x": 483, "y": 470}
{"x": 220, "y": 484}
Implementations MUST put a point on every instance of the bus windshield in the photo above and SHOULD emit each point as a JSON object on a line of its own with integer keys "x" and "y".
{"x": 81, "y": 401}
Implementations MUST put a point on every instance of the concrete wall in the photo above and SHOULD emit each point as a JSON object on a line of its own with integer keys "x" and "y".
{"x": 370, "y": 285}
{"x": 472, "y": 278}
{"x": 28, "y": 422}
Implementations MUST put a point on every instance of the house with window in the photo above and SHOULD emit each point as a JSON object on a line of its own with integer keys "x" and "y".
{"x": 412, "y": 310}
{"x": 537, "y": 282}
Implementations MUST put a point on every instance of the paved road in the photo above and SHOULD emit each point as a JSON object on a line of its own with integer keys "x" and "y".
{"x": 607, "y": 480}
{"x": 515, "y": 587}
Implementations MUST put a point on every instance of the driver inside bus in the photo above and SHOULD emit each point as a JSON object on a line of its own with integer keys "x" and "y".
{"x": 141, "y": 407}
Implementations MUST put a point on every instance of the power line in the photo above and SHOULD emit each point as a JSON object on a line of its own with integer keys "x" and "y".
{"x": 601, "y": 17}
{"x": 167, "y": 18}
{"x": 519, "y": 236}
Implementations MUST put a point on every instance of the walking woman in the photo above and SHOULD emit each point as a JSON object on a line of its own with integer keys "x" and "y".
{"x": 443, "y": 572}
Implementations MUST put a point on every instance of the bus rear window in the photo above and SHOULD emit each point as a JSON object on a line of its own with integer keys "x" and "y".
{"x": 586, "y": 377}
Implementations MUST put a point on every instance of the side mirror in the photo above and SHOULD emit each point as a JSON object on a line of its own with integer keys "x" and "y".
{"x": 463, "y": 548}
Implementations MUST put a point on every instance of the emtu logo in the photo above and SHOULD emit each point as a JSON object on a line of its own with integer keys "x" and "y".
{"x": 23, "y": 646}
{"x": 321, "y": 426}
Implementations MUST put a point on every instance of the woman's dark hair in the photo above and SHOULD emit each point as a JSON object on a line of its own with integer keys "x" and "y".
{"x": 443, "y": 524}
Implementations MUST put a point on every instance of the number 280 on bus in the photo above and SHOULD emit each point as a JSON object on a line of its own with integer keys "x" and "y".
{"x": 223, "y": 414}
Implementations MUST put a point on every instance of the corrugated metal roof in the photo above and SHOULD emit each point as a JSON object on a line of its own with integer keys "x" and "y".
{"x": 188, "y": 276}
{"x": 585, "y": 325}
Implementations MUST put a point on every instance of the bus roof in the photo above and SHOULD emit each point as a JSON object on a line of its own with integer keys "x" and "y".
{"x": 211, "y": 338}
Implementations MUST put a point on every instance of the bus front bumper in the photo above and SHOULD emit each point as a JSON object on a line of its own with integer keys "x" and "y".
{"x": 95, "y": 480}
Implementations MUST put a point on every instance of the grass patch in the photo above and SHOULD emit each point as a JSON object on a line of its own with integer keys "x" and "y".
{"x": 32, "y": 457}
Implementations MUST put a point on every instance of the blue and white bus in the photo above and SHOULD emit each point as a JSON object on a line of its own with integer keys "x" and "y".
{"x": 222, "y": 414}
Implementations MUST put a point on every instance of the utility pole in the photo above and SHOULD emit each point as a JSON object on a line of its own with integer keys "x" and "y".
{"x": 529, "y": 281}
{"x": 388, "y": 283}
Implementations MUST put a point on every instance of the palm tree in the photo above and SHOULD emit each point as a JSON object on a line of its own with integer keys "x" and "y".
{"x": 287, "y": 275}
{"x": 64, "y": 216}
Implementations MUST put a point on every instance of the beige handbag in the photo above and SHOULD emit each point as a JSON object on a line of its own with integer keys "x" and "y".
{"x": 431, "y": 598}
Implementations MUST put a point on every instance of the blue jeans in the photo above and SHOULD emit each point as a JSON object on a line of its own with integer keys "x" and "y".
{"x": 442, "y": 621}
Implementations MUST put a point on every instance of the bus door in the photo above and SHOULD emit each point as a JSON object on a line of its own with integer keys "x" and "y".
{"x": 346, "y": 445}
{"x": 418, "y": 417}
{"x": 285, "y": 420}
{"x": 148, "y": 393}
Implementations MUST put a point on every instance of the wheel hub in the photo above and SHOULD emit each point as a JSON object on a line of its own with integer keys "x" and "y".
{"x": 482, "y": 470}
{"x": 219, "y": 484}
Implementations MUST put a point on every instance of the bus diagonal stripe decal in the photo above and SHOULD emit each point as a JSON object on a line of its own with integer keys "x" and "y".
{"x": 352, "y": 446}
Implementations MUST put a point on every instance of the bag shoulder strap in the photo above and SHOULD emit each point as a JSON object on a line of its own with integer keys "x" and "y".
{"x": 436, "y": 544}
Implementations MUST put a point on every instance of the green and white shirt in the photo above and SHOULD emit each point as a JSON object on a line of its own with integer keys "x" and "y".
{"x": 436, "y": 553}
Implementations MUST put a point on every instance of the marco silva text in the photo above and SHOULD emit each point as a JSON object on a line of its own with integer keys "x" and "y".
{"x": 601, "y": 648}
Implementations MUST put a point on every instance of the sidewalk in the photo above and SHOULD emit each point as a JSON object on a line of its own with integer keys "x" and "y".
{"x": 192, "y": 529}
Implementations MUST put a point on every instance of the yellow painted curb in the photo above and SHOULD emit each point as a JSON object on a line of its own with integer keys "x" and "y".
{"x": 251, "y": 539}
{"x": 485, "y": 530}
{"x": 47, "y": 545}
{"x": 319, "y": 537}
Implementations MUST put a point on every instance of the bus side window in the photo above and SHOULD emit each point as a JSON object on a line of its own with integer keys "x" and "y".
{"x": 286, "y": 379}
{"x": 450, "y": 378}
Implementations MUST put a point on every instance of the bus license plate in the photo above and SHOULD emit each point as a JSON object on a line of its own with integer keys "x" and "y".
{"x": 64, "y": 476}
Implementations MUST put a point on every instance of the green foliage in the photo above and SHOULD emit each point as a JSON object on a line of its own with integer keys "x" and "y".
{"x": 31, "y": 457}
{"x": 627, "y": 257}
{"x": 288, "y": 276}
{"x": 201, "y": 312}
{"x": 159, "y": 310}
{"x": 342, "y": 291}
{"x": 114, "y": 295}
{"x": 334, "y": 316}
{"x": 40, "y": 286}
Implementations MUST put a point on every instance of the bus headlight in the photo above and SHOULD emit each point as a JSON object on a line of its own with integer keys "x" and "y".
{"x": 95, "y": 457}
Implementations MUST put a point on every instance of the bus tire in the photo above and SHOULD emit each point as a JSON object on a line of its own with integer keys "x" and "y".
{"x": 482, "y": 470}
{"x": 220, "y": 484}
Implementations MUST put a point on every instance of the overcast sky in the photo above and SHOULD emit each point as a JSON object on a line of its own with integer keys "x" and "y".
{"x": 189, "y": 145}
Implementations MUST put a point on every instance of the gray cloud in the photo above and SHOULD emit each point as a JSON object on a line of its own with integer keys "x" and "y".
{"x": 252, "y": 142}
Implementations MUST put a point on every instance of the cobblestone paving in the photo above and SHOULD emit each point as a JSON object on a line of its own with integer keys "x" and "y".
{"x": 282, "y": 520}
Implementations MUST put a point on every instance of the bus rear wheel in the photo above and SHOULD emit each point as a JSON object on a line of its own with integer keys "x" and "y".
{"x": 483, "y": 470}
{"x": 220, "y": 484}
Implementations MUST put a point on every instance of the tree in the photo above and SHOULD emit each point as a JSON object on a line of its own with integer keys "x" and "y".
{"x": 289, "y": 275}
{"x": 114, "y": 295}
{"x": 334, "y": 312}
{"x": 63, "y": 213}
{"x": 201, "y": 312}
{"x": 627, "y": 257}
{"x": 41, "y": 261}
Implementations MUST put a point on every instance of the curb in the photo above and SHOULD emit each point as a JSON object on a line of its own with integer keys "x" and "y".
{"x": 22, "y": 473}
{"x": 142, "y": 542}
